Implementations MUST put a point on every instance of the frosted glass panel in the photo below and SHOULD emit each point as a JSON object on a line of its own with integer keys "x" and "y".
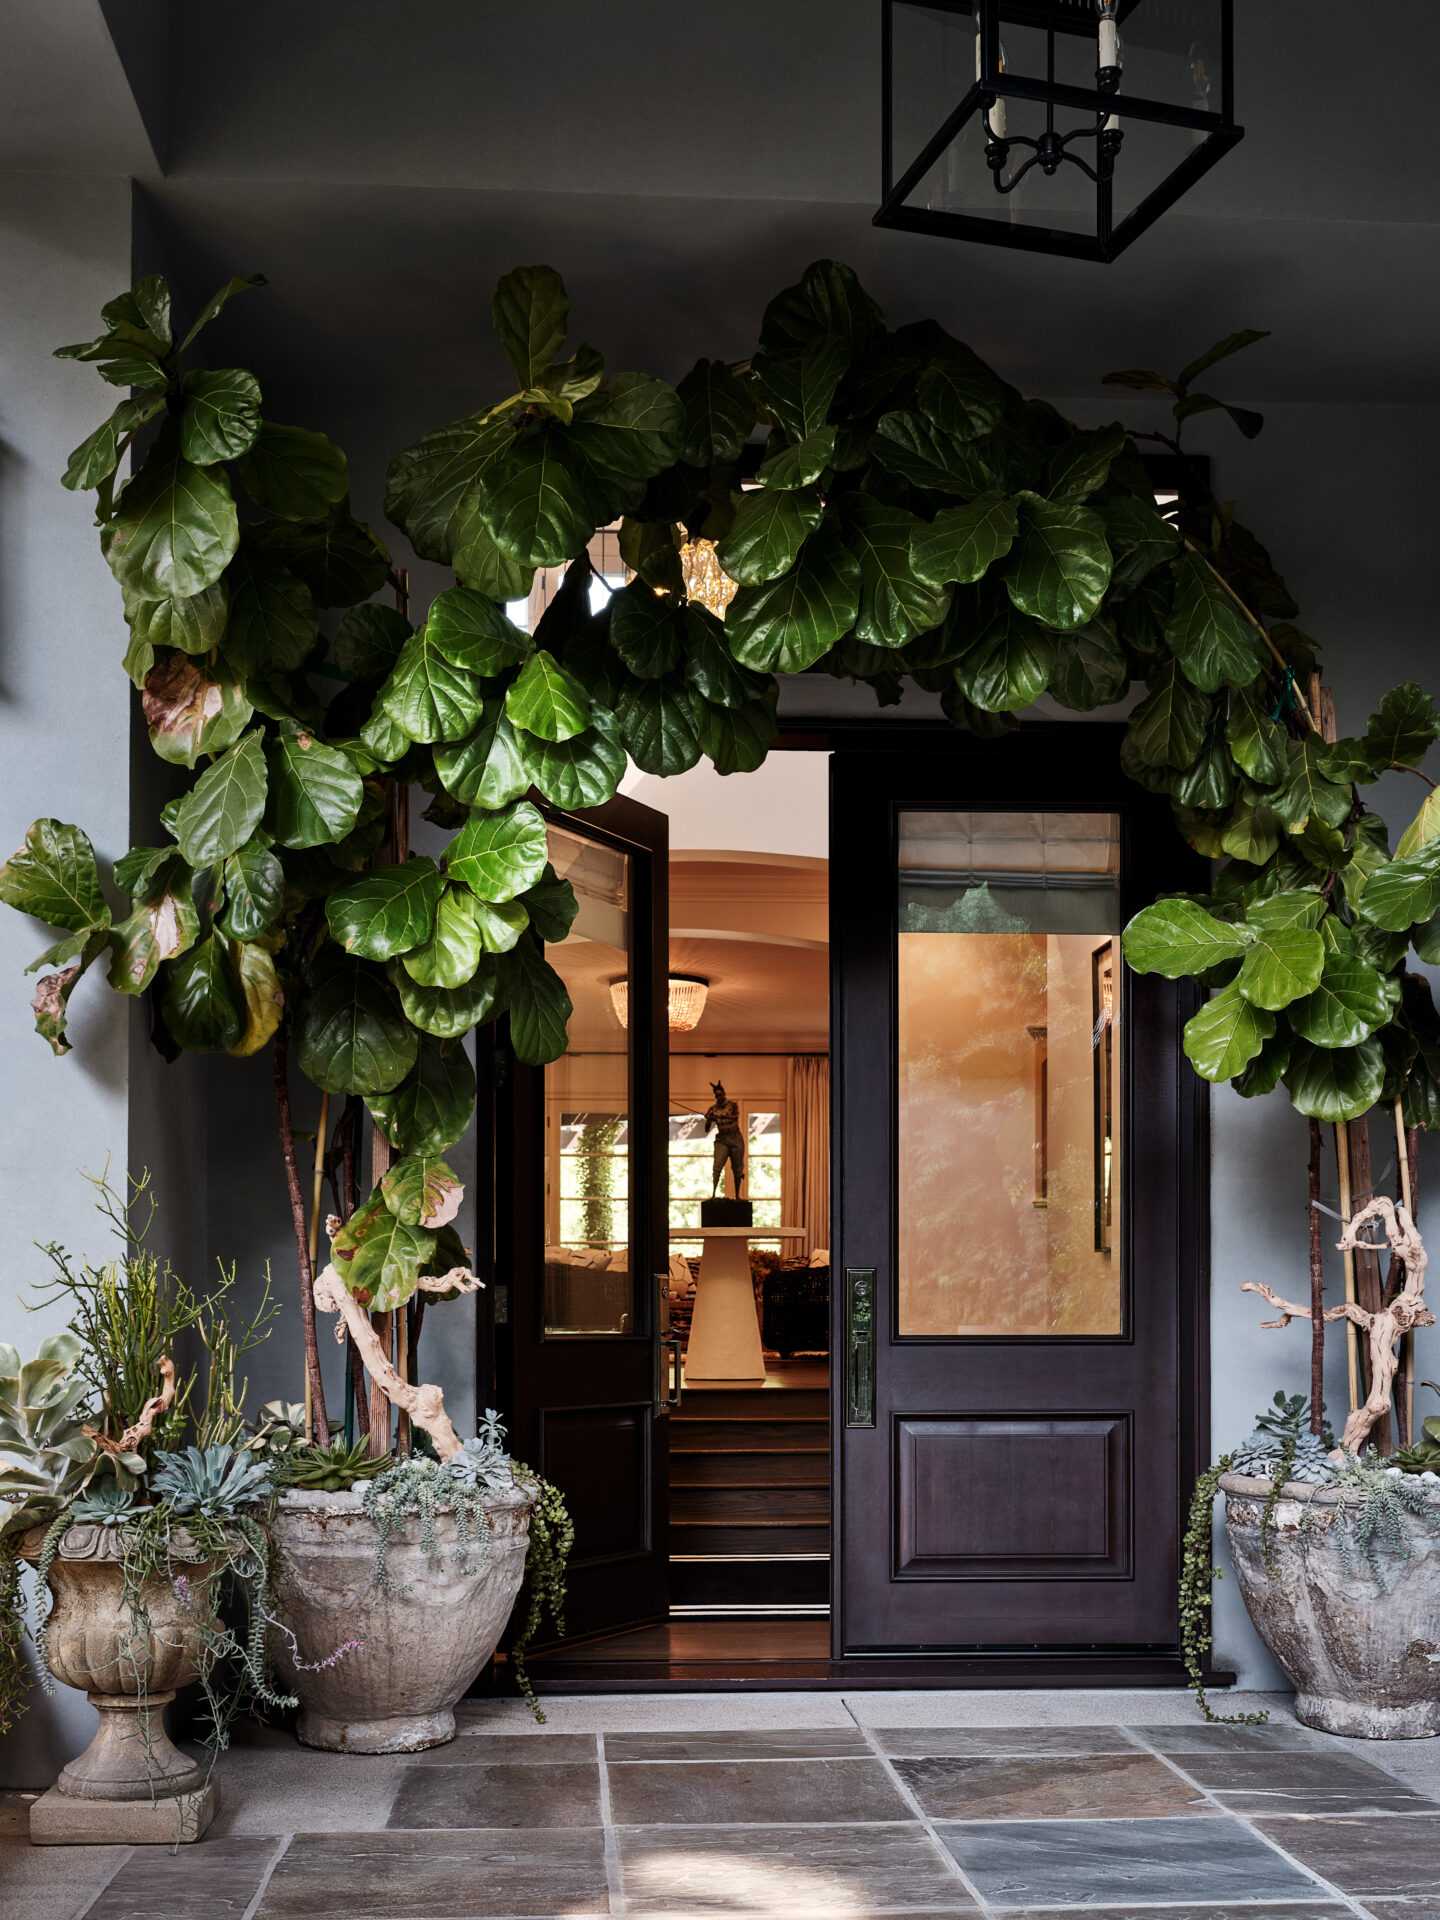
{"x": 1009, "y": 1059}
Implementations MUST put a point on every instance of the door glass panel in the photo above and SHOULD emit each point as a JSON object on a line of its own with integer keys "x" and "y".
{"x": 589, "y": 1274}
{"x": 1008, "y": 1054}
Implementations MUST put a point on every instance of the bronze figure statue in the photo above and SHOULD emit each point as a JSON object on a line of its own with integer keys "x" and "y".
{"x": 724, "y": 1116}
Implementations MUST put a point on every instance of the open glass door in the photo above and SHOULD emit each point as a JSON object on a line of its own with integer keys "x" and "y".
{"x": 580, "y": 1346}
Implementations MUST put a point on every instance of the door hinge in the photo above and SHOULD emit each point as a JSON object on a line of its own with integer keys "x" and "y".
{"x": 860, "y": 1346}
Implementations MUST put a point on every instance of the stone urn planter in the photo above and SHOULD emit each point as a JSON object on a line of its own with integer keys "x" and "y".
{"x": 1365, "y": 1663}
{"x": 129, "y": 1675}
{"x": 425, "y": 1636}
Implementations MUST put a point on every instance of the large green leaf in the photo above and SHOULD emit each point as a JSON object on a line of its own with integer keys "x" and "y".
{"x": 449, "y": 1012}
{"x": 204, "y": 1003}
{"x": 796, "y": 389}
{"x": 339, "y": 559}
{"x": 428, "y": 696}
{"x": 1226, "y": 1034}
{"x": 909, "y": 445}
{"x": 472, "y": 632}
{"x": 583, "y": 771}
{"x": 710, "y": 667}
{"x": 800, "y": 463}
{"x": 238, "y": 283}
{"x": 657, "y": 725}
{"x": 737, "y": 739}
{"x": 827, "y": 299}
{"x": 500, "y": 926}
{"x": 1059, "y": 568}
{"x": 1168, "y": 728}
{"x": 421, "y": 1191}
{"x": 221, "y": 415}
{"x": 962, "y": 542}
{"x": 262, "y": 1000}
{"x": 1284, "y": 964}
{"x": 551, "y": 905}
{"x": 539, "y": 1006}
{"x": 961, "y": 396}
{"x": 1177, "y": 938}
{"x": 387, "y": 912}
{"x": 368, "y": 640}
{"x": 1307, "y": 794}
{"x": 1138, "y": 537}
{"x": 486, "y": 768}
{"x": 379, "y": 1256}
{"x": 192, "y": 709}
{"x": 1091, "y": 669}
{"x": 1009, "y": 667}
{"x": 1210, "y": 637}
{"x": 647, "y": 630}
{"x": 480, "y": 564}
{"x": 1404, "y": 892}
{"x": 273, "y": 625}
{"x": 1081, "y": 465}
{"x": 55, "y": 877}
{"x": 633, "y": 424}
{"x": 768, "y": 531}
{"x": 290, "y": 471}
{"x": 1351, "y": 1001}
{"x": 432, "y": 1106}
{"x": 529, "y": 312}
{"x": 175, "y": 530}
{"x": 163, "y": 925}
{"x": 225, "y": 805}
{"x": 498, "y": 855}
{"x": 315, "y": 792}
{"x": 254, "y": 890}
{"x": 1424, "y": 829}
{"x": 351, "y": 1035}
{"x": 194, "y": 625}
{"x": 452, "y": 952}
{"x": 98, "y": 455}
{"x": 1252, "y": 833}
{"x": 894, "y": 604}
{"x": 1256, "y": 739}
{"x": 718, "y": 412}
{"x": 427, "y": 486}
{"x": 1405, "y": 726}
{"x": 546, "y": 700}
{"x": 533, "y": 504}
{"x": 787, "y": 624}
{"x": 1335, "y": 1083}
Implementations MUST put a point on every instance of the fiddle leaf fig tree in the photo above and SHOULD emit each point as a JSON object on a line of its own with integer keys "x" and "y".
{"x": 905, "y": 514}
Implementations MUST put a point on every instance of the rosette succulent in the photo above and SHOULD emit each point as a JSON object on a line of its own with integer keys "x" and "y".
{"x": 215, "y": 1484}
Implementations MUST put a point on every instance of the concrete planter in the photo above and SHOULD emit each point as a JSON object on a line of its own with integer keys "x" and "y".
{"x": 1364, "y": 1663}
{"x": 423, "y": 1646}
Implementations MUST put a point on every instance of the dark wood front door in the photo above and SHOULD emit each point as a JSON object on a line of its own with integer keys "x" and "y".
{"x": 581, "y": 1176}
{"x": 1016, "y": 1241}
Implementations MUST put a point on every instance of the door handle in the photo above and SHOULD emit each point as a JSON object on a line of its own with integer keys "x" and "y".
{"x": 671, "y": 1345}
{"x": 860, "y": 1346}
{"x": 667, "y": 1350}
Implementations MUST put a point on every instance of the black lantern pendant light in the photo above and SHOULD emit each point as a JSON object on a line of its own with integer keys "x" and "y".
{"x": 1062, "y": 126}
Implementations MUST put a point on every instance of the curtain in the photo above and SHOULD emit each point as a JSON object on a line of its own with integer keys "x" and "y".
{"x": 810, "y": 1147}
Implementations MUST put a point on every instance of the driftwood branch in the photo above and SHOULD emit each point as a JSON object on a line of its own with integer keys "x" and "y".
{"x": 424, "y": 1404}
{"x": 149, "y": 1414}
{"x": 1385, "y": 1328}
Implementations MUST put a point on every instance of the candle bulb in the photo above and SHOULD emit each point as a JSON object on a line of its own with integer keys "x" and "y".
{"x": 995, "y": 119}
{"x": 1112, "y": 56}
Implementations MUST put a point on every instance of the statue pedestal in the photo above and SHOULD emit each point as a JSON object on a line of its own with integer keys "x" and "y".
{"x": 724, "y": 1348}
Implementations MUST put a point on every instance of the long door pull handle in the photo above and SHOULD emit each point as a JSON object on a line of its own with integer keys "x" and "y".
{"x": 860, "y": 1346}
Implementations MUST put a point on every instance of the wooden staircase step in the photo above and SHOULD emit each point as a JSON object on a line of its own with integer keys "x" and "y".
{"x": 699, "y": 1436}
{"x": 740, "y": 1582}
{"x": 728, "y": 1402}
{"x": 754, "y": 1538}
{"x": 797, "y": 1504}
{"x": 754, "y": 1467}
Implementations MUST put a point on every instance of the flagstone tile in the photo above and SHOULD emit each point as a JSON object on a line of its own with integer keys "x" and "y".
{"x": 719, "y": 1792}
{"x": 1104, "y": 1787}
{"x": 1200, "y": 1737}
{"x": 1302, "y": 1782}
{"x": 212, "y": 1880}
{"x": 800, "y": 1743}
{"x": 498, "y": 1796}
{"x": 1399, "y": 1854}
{"x": 965, "y": 1742}
{"x": 794, "y": 1871}
{"x": 518, "y": 1750}
{"x": 439, "y": 1876}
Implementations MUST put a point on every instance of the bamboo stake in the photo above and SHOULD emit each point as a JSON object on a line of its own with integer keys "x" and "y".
{"x": 1317, "y": 1291}
{"x": 279, "y": 1064}
{"x": 1405, "y": 1410}
{"x": 317, "y": 1194}
{"x": 1352, "y": 1344}
{"x": 402, "y": 1367}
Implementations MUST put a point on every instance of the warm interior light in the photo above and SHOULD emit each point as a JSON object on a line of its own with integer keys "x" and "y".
{"x": 686, "y": 1001}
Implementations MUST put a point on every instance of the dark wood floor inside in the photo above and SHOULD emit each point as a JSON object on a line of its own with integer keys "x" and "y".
{"x": 700, "y": 1642}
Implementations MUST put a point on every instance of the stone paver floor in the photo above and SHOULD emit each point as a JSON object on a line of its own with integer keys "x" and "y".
{"x": 799, "y": 1806}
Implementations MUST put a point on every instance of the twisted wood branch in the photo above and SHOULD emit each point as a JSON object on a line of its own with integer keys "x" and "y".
{"x": 149, "y": 1414}
{"x": 425, "y": 1404}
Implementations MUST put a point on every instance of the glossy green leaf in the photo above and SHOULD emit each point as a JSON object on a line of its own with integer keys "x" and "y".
{"x": 768, "y": 531}
{"x": 192, "y": 709}
{"x": 1282, "y": 965}
{"x": 801, "y": 463}
{"x": 632, "y": 424}
{"x": 1009, "y": 667}
{"x": 1265, "y": 1071}
{"x": 787, "y": 624}
{"x": 98, "y": 455}
{"x": 551, "y": 905}
{"x": 194, "y": 625}
{"x": 533, "y": 504}
{"x": 583, "y": 771}
{"x": 1059, "y": 568}
{"x": 1210, "y": 637}
{"x": 1293, "y": 907}
{"x": 225, "y": 805}
{"x": 960, "y": 396}
{"x": 1091, "y": 669}
{"x": 828, "y": 298}
{"x": 485, "y": 768}
{"x": 797, "y": 388}
{"x": 431, "y": 1108}
{"x": 428, "y": 696}
{"x": 421, "y": 1191}
{"x": 472, "y": 632}
{"x": 387, "y": 912}
{"x": 647, "y": 630}
{"x": 261, "y": 998}
{"x": 295, "y": 473}
{"x": 1081, "y": 465}
{"x": 452, "y": 951}
{"x": 718, "y": 413}
{"x": 238, "y": 283}
{"x": 737, "y": 739}
{"x": 499, "y": 927}
{"x": 498, "y": 855}
{"x": 351, "y": 1035}
{"x": 203, "y": 1003}
{"x": 221, "y": 415}
{"x": 1406, "y": 725}
{"x": 429, "y": 485}
{"x": 894, "y": 604}
{"x": 1256, "y": 739}
{"x": 538, "y": 1004}
{"x": 711, "y": 669}
{"x": 382, "y": 739}
{"x": 1177, "y": 938}
{"x": 1351, "y": 1001}
{"x": 1252, "y": 833}
{"x": 1139, "y": 538}
{"x": 1335, "y": 1083}
{"x": 163, "y": 925}
{"x": 657, "y": 725}
{"x": 368, "y": 640}
{"x": 54, "y": 876}
{"x": 909, "y": 445}
{"x": 1404, "y": 892}
{"x": 1307, "y": 794}
{"x": 1423, "y": 830}
{"x": 447, "y": 1012}
{"x": 479, "y": 562}
{"x": 963, "y": 542}
{"x": 1168, "y": 728}
{"x": 1226, "y": 1034}
{"x": 546, "y": 700}
{"x": 254, "y": 889}
{"x": 529, "y": 312}
{"x": 379, "y": 1257}
{"x": 174, "y": 531}
{"x": 339, "y": 559}
{"x": 315, "y": 792}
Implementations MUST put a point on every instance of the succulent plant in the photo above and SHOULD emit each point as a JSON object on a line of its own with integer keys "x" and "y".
{"x": 48, "y": 1459}
{"x": 280, "y": 1428}
{"x": 105, "y": 1503}
{"x": 214, "y": 1484}
{"x": 1284, "y": 1425}
{"x": 1424, "y": 1455}
{"x": 330, "y": 1469}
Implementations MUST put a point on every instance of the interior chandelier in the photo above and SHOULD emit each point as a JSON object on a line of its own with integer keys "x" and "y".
{"x": 1061, "y": 126}
{"x": 686, "y": 1000}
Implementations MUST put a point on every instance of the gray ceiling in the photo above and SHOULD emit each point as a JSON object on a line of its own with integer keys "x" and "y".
{"x": 383, "y": 161}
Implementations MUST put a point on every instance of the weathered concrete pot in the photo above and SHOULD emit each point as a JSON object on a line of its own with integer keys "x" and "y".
{"x": 1363, "y": 1662}
{"x": 129, "y": 1676}
{"x": 423, "y": 1647}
